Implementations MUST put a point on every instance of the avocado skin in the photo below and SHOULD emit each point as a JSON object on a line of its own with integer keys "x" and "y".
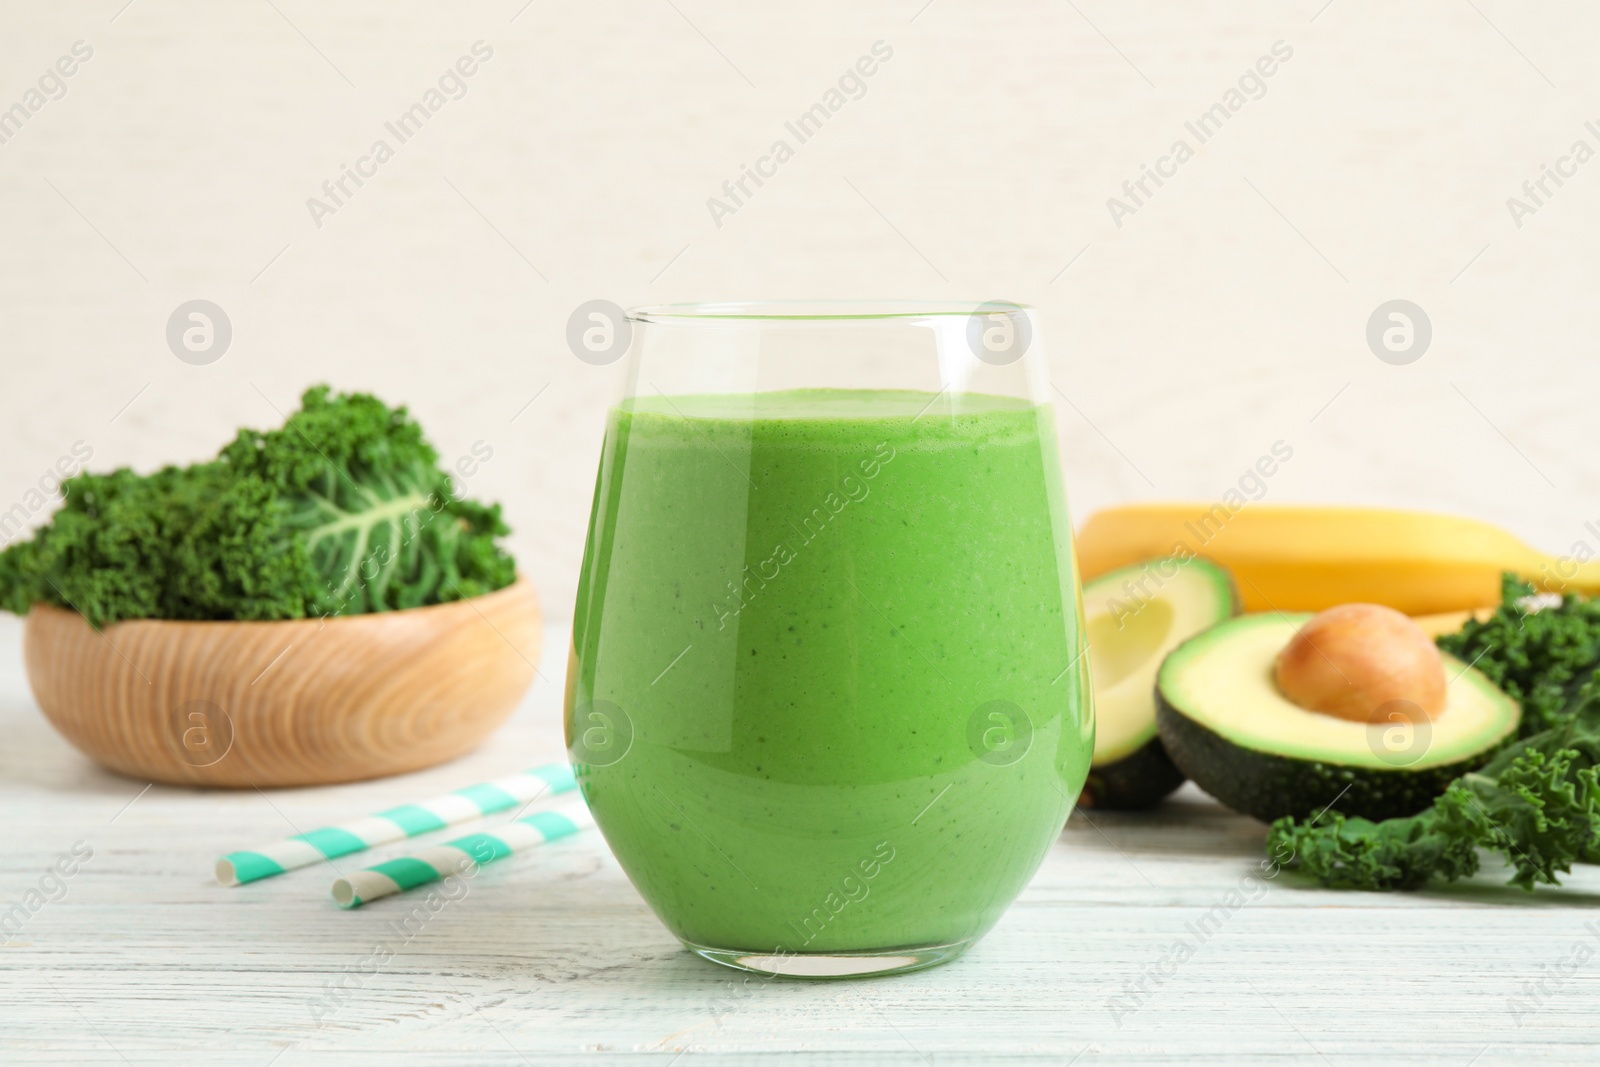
{"x": 1269, "y": 787}
{"x": 1139, "y": 780}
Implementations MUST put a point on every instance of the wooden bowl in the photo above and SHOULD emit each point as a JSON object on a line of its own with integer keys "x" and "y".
{"x": 300, "y": 702}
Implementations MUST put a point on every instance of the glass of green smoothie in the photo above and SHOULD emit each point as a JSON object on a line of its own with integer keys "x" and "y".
{"x": 827, "y": 695}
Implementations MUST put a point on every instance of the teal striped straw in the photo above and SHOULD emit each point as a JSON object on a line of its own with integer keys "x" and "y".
{"x": 460, "y": 856}
{"x": 408, "y": 820}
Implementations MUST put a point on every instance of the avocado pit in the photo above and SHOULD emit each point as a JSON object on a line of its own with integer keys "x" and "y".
{"x": 1360, "y": 662}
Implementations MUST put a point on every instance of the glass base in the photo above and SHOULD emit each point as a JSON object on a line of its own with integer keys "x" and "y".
{"x": 831, "y": 964}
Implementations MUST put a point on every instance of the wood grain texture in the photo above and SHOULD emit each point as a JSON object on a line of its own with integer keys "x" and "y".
{"x": 551, "y": 957}
{"x": 299, "y": 702}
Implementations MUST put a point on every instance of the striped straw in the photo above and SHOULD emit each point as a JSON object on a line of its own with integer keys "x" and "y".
{"x": 408, "y": 820}
{"x": 459, "y": 856}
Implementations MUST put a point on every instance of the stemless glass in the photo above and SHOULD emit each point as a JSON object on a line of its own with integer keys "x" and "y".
{"x": 827, "y": 696}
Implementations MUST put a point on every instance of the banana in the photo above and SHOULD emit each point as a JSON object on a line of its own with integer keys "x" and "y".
{"x": 1307, "y": 558}
{"x": 1448, "y": 622}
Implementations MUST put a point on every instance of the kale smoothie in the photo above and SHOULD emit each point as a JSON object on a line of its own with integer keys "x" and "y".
{"x": 826, "y": 692}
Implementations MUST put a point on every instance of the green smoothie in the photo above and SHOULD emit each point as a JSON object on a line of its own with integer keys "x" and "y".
{"x": 827, "y": 690}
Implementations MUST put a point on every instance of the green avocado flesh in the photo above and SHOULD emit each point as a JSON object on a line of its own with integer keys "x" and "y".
{"x": 1226, "y": 725}
{"x": 1134, "y": 616}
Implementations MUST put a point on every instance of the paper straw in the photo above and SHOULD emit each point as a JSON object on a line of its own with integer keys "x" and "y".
{"x": 459, "y": 856}
{"x": 408, "y": 820}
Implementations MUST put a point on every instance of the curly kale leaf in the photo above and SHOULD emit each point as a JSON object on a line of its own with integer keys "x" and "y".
{"x": 1540, "y": 658}
{"x": 1537, "y": 803}
{"x": 182, "y": 543}
{"x": 378, "y": 519}
{"x": 342, "y": 510}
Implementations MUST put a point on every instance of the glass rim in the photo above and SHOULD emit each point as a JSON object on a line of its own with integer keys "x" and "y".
{"x": 813, "y": 310}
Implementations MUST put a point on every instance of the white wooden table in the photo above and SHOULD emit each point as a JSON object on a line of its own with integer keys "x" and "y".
{"x": 553, "y": 958}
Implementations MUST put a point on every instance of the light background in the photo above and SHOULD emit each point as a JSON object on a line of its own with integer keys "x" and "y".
{"x": 1227, "y": 314}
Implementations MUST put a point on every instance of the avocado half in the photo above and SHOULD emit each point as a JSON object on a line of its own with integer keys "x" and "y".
{"x": 1226, "y": 725}
{"x": 1134, "y": 617}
